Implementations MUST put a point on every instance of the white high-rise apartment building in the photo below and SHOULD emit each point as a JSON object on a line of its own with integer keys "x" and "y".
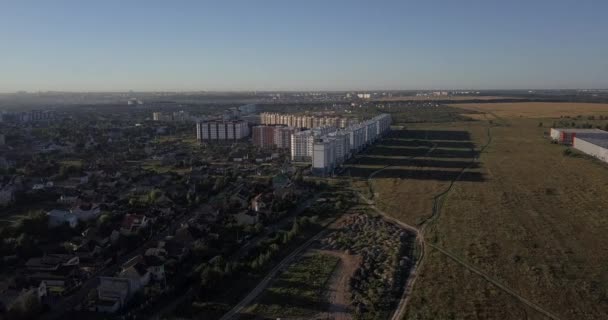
{"x": 301, "y": 145}
{"x": 324, "y": 155}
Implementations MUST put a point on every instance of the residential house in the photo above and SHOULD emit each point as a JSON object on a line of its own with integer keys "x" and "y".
{"x": 257, "y": 203}
{"x": 68, "y": 199}
{"x": 137, "y": 272}
{"x": 155, "y": 259}
{"x": 246, "y": 218}
{"x": 87, "y": 212}
{"x": 133, "y": 222}
{"x": 113, "y": 293}
{"x": 241, "y": 196}
{"x": 60, "y": 217}
{"x": 52, "y": 262}
{"x": 7, "y": 195}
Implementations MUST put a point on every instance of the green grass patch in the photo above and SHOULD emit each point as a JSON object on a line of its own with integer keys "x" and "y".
{"x": 300, "y": 290}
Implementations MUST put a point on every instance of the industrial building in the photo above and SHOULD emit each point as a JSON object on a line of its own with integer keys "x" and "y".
{"x": 209, "y": 131}
{"x": 594, "y": 144}
{"x": 566, "y": 135}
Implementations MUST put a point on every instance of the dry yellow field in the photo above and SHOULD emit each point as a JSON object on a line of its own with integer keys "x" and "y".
{"x": 534, "y": 221}
{"x": 537, "y": 109}
{"x": 444, "y": 98}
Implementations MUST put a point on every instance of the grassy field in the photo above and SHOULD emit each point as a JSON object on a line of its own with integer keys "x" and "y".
{"x": 533, "y": 219}
{"x": 446, "y": 98}
{"x": 537, "y": 109}
{"x": 300, "y": 290}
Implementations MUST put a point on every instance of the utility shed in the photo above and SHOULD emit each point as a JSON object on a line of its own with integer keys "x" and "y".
{"x": 566, "y": 135}
{"x": 593, "y": 144}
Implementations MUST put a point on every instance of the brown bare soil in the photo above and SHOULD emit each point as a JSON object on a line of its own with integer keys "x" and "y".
{"x": 339, "y": 292}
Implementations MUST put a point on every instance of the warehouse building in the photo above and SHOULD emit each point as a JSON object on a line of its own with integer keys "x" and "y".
{"x": 566, "y": 135}
{"x": 593, "y": 144}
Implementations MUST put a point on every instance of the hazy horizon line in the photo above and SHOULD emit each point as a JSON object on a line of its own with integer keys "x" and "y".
{"x": 296, "y": 90}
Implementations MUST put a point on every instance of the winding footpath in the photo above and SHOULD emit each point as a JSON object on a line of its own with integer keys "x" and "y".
{"x": 419, "y": 231}
{"x": 234, "y": 312}
{"x": 422, "y": 245}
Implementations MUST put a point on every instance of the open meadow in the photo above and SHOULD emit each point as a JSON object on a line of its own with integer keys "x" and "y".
{"x": 524, "y": 214}
{"x": 537, "y": 109}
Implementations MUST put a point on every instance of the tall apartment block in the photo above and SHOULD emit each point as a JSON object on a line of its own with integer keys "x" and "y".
{"x": 303, "y": 121}
{"x": 209, "y": 131}
{"x": 333, "y": 148}
{"x": 263, "y": 136}
{"x": 273, "y": 136}
{"x": 301, "y": 142}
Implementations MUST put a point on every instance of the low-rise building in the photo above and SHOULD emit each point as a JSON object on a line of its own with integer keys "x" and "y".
{"x": 87, "y": 212}
{"x": 61, "y": 217}
{"x": 566, "y": 135}
{"x": 113, "y": 293}
{"x": 52, "y": 262}
{"x": 133, "y": 222}
{"x": 593, "y": 144}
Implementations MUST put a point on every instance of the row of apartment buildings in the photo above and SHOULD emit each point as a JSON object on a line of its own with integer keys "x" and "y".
{"x": 328, "y": 147}
{"x": 302, "y": 142}
{"x": 333, "y": 149}
{"x": 273, "y": 136}
{"x": 304, "y": 121}
{"x": 219, "y": 130}
{"x": 29, "y": 116}
{"x": 172, "y": 116}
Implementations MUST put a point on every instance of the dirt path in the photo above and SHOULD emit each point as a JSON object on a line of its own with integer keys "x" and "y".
{"x": 339, "y": 290}
{"x": 253, "y": 294}
{"x": 419, "y": 230}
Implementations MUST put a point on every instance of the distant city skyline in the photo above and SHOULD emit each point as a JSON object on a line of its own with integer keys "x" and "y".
{"x": 118, "y": 46}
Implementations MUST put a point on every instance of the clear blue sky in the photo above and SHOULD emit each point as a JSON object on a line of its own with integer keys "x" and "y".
{"x": 310, "y": 45}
